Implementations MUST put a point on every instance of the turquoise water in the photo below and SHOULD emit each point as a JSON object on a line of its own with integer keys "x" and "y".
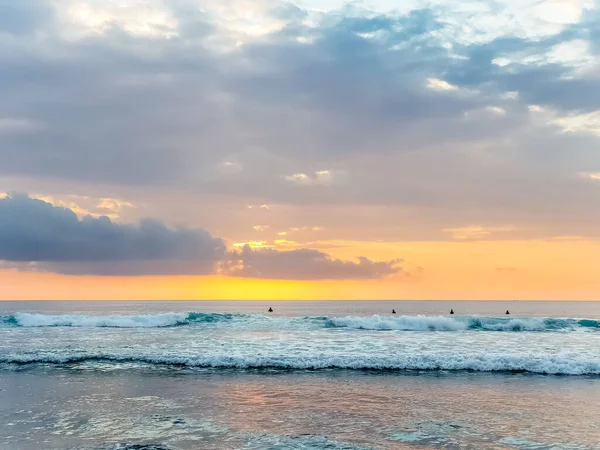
{"x": 311, "y": 375}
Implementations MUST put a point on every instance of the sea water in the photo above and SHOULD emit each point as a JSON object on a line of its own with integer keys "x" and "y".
{"x": 310, "y": 375}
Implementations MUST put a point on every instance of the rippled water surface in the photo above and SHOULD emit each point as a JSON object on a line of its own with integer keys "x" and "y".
{"x": 312, "y": 375}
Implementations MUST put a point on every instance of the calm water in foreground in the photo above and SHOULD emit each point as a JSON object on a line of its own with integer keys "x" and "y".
{"x": 312, "y": 375}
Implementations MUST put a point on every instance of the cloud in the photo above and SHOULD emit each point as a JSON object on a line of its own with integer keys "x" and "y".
{"x": 305, "y": 264}
{"x": 10, "y": 125}
{"x": 113, "y": 208}
{"x": 559, "y": 11}
{"x": 87, "y": 18}
{"x": 595, "y": 176}
{"x": 169, "y": 118}
{"x": 38, "y": 236}
{"x": 32, "y": 230}
{"x": 320, "y": 177}
{"x": 20, "y": 18}
{"x": 440, "y": 85}
{"x": 421, "y": 110}
{"x": 477, "y": 231}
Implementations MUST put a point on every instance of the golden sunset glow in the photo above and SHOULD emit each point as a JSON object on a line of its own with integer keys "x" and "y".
{"x": 560, "y": 269}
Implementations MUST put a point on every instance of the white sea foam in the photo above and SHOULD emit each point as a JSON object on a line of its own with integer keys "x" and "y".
{"x": 528, "y": 324}
{"x": 480, "y": 362}
{"x": 445, "y": 323}
{"x": 247, "y": 321}
{"x": 67, "y": 320}
{"x": 407, "y": 323}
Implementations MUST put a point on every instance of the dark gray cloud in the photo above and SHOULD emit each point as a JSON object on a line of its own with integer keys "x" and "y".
{"x": 34, "y": 230}
{"x": 306, "y": 264}
{"x": 38, "y": 236}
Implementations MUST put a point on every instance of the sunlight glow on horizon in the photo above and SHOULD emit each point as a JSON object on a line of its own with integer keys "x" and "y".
{"x": 478, "y": 270}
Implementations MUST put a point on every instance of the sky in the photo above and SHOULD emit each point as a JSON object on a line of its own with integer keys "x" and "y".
{"x": 304, "y": 149}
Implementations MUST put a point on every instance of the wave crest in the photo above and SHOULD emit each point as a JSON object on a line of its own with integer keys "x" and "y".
{"x": 374, "y": 323}
{"x": 405, "y": 323}
{"x": 559, "y": 365}
{"x": 118, "y": 321}
{"x": 444, "y": 323}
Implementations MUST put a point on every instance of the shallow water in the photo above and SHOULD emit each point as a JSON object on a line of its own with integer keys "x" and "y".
{"x": 313, "y": 375}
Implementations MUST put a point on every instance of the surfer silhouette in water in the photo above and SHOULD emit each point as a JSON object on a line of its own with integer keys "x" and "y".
{"x": 451, "y": 311}
{"x": 270, "y": 309}
{"x": 507, "y": 312}
{"x": 393, "y": 311}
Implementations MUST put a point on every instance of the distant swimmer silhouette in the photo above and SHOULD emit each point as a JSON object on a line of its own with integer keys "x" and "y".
{"x": 507, "y": 312}
{"x": 393, "y": 311}
{"x": 451, "y": 311}
{"x": 270, "y": 309}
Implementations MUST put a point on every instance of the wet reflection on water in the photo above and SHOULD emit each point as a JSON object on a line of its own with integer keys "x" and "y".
{"x": 84, "y": 407}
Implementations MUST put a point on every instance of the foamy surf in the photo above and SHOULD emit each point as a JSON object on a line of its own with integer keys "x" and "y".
{"x": 426, "y": 361}
{"x": 114, "y": 321}
{"x": 373, "y": 323}
{"x": 403, "y": 323}
{"x": 473, "y": 323}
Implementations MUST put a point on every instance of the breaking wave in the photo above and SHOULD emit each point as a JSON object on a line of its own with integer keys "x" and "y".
{"x": 478, "y": 362}
{"x": 374, "y": 323}
{"x": 443, "y": 323}
{"x": 135, "y": 321}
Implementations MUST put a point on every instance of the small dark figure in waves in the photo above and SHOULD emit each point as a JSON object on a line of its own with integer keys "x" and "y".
{"x": 393, "y": 311}
{"x": 507, "y": 312}
{"x": 451, "y": 311}
{"x": 270, "y": 309}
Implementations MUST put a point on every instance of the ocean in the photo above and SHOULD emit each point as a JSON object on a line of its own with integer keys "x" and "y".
{"x": 310, "y": 375}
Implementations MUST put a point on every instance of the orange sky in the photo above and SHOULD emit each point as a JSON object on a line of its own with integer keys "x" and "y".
{"x": 529, "y": 270}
